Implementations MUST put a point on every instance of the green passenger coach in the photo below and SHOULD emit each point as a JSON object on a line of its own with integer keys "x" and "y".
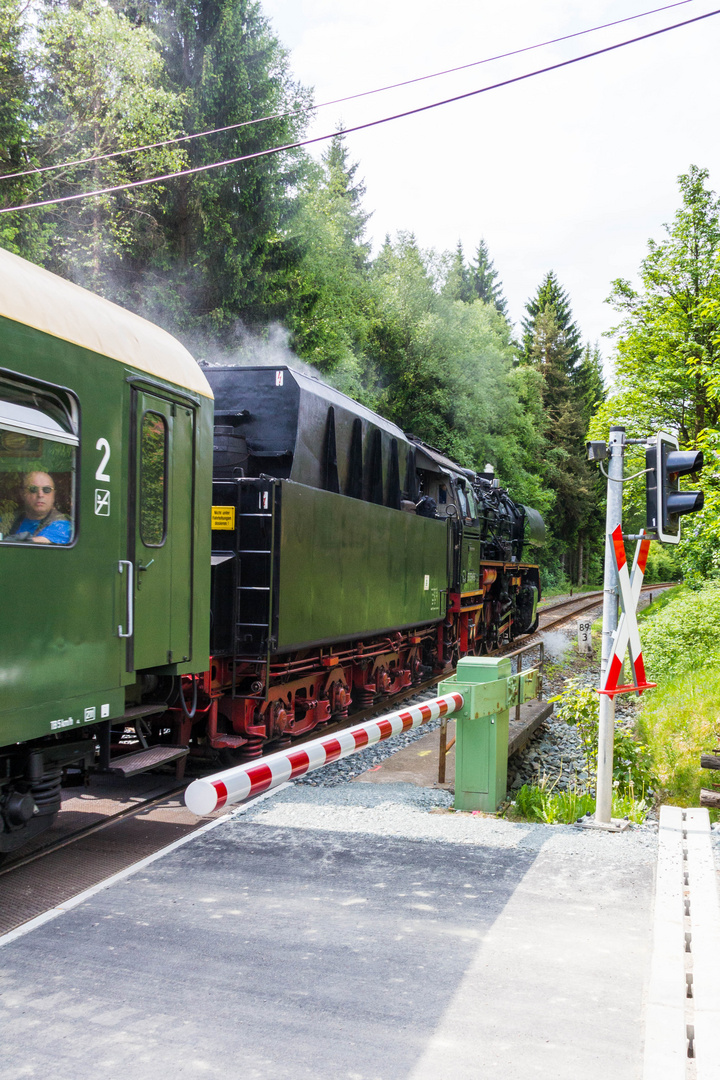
{"x": 105, "y": 487}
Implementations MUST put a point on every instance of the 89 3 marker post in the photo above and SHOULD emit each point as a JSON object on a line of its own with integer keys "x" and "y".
{"x": 584, "y": 627}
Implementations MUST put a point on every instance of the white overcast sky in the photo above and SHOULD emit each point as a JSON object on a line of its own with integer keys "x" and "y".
{"x": 571, "y": 171}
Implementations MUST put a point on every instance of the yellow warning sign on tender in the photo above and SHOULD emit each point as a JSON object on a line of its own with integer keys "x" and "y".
{"x": 223, "y": 517}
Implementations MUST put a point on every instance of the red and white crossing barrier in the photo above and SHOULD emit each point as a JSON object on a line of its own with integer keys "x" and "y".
{"x": 241, "y": 782}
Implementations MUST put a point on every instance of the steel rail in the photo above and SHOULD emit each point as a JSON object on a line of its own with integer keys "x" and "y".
{"x": 88, "y": 830}
{"x": 587, "y": 603}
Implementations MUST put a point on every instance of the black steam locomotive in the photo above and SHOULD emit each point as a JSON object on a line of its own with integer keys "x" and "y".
{"x": 349, "y": 560}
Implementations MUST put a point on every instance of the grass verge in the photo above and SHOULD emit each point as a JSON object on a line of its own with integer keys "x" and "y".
{"x": 539, "y": 803}
{"x": 679, "y": 721}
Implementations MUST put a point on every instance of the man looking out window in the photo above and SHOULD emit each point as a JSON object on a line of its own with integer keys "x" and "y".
{"x": 39, "y": 521}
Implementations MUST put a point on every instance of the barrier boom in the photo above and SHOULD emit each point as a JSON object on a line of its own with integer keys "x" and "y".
{"x": 243, "y": 781}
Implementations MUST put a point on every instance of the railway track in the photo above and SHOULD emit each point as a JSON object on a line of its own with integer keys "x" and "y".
{"x": 564, "y": 610}
{"x": 50, "y": 874}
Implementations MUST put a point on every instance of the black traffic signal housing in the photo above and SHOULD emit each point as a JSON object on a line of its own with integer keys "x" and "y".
{"x": 664, "y": 501}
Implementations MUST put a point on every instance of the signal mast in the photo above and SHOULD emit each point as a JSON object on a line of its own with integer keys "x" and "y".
{"x": 665, "y": 505}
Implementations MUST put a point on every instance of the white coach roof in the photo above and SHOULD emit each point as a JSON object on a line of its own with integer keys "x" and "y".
{"x": 37, "y": 298}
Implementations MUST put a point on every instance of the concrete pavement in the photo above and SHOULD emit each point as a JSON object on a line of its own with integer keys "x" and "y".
{"x": 322, "y": 935}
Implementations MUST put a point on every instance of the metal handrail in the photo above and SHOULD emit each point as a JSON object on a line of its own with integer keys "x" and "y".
{"x": 129, "y": 602}
{"x": 540, "y": 665}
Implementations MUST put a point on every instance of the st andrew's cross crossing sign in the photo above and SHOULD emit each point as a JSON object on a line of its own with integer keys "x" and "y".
{"x": 627, "y": 629}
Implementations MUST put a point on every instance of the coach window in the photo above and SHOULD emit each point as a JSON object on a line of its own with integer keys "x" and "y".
{"x": 38, "y": 452}
{"x": 153, "y": 480}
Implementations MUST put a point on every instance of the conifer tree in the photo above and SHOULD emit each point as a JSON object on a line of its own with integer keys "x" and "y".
{"x": 566, "y": 471}
{"x": 484, "y": 279}
{"x": 228, "y": 254}
{"x": 458, "y": 284}
{"x": 588, "y": 383}
{"x": 341, "y": 195}
{"x": 551, "y": 294}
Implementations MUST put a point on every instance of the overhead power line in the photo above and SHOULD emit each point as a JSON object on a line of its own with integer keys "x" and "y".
{"x": 337, "y": 101}
{"x": 357, "y": 127}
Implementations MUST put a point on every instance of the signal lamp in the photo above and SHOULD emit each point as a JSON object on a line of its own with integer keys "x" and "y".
{"x": 665, "y": 503}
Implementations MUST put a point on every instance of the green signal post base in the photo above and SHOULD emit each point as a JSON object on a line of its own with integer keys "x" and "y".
{"x": 489, "y": 690}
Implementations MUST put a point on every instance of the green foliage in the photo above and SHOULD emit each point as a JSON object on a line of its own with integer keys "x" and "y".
{"x": 444, "y": 370}
{"x": 570, "y": 386}
{"x": 579, "y": 706}
{"x": 667, "y": 340}
{"x": 679, "y": 721}
{"x": 485, "y": 281}
{"x": 19, "y": 232}
{"x": 698, "y": 553}
{"x": 229, "y": 254}
{"x": 458, "y": 283}
{"x": 478, "y": 281}
{"x": 589, "y": 383}
{"x": 663, "y": 564}
{"x": 660, "y": 601}
{"x": 552, "y": 297}
{"x": 684, "y": 634}
{"x": 101, "y": 92}
{"x": 333, "y": 301}
{"x": 667, "y": 362}
{"x": 542, "y": 804}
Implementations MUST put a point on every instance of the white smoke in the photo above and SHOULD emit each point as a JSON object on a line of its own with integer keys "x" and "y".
{"x": 271, "y": 348}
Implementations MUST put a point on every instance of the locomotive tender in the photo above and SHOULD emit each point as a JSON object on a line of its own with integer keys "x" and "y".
{"x": 156, "y": 605}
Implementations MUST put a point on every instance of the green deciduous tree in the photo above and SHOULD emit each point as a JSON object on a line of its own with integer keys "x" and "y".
{"x": 18, "y": 232}
{"x": 667, "y": 360}
{"x": 447, "y": 370}
{"x": 331, "y": 292}
{"x": 101, "y": 92}
{"x": 667, "y": 350}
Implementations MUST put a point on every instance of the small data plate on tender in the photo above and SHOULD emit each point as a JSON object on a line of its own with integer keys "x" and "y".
{"x": 223, "y": 517}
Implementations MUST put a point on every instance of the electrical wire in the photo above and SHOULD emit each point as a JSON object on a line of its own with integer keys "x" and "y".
{"x": 623, "y": 479}
{"x": 337, "y": 101}
{"x": 357, "y": 127}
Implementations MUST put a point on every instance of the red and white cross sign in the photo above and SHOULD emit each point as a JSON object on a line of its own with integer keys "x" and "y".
{"x": 627, "y": 628}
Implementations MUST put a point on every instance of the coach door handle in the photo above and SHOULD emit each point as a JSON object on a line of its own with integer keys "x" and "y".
{"x": 130, "y": 611}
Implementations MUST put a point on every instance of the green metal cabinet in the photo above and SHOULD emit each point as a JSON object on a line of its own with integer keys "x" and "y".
{"x": 489, "y": 689}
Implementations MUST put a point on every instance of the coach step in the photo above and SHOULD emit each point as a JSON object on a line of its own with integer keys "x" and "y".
{"x": 144, "y": 760}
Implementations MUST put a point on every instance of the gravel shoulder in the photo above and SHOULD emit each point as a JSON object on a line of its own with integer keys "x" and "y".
{"x": 423, "y": 814}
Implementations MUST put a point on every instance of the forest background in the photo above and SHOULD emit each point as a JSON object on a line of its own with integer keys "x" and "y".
{"x": 266, "y": 260}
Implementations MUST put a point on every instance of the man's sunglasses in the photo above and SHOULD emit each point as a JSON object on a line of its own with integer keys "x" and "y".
{"x": 34, "y": 490}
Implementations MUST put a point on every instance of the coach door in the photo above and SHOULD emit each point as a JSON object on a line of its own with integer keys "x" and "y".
{"x": 161, "y": 531}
